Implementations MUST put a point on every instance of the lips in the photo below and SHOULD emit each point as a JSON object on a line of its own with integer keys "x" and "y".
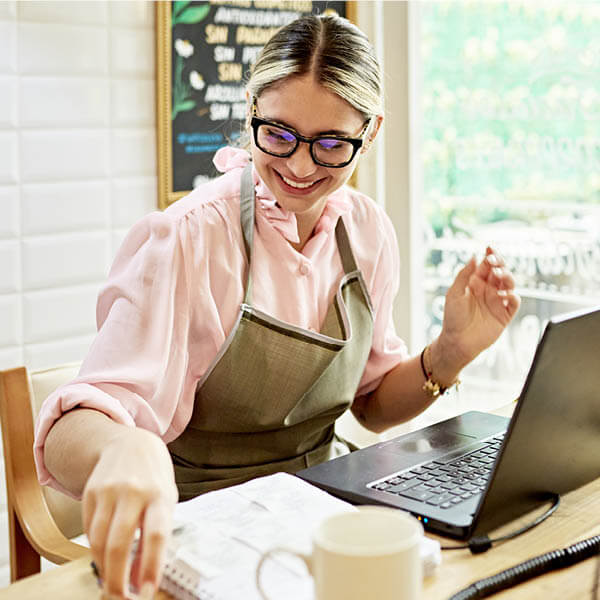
{"x": 298, "y": 187}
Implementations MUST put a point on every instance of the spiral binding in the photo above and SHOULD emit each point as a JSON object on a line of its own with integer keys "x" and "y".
{"x": 182, "y": 583}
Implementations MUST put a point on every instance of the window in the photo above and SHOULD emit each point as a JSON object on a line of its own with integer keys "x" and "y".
{"x": 511, "y": 156}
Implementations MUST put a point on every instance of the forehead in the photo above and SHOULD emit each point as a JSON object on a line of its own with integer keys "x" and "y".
{"x": 308, "y": 107}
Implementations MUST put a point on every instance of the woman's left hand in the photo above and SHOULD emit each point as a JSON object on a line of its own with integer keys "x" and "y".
{"x": 480, "y": 303}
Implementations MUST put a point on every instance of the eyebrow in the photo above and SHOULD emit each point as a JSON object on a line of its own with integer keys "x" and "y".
{"x": 322, "y": 133}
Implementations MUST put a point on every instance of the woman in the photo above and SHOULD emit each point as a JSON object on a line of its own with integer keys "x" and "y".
{"x": 240, "y": 323}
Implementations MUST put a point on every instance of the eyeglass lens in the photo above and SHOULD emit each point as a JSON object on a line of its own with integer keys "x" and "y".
{"x": 326, "y": 150}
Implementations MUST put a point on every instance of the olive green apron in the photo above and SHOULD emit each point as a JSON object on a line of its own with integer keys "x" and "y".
{"x": 270, "y": 399}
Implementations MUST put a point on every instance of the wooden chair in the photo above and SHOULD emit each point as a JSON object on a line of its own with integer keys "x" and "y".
{"x": 41, "y": 520}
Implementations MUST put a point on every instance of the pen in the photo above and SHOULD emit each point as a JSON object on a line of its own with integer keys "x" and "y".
{"x": 96, "y": 573}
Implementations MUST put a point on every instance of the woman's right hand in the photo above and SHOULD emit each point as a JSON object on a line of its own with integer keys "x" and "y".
{"x": 131, "y": 487}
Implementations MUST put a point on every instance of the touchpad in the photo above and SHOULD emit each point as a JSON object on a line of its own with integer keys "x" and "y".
{"x": 440, "y": 440}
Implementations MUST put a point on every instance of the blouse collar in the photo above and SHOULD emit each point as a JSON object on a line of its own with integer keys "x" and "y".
{"x": 229, "y": 158}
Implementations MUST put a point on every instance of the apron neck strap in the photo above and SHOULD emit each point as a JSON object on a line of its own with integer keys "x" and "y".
{"x": 247, "y": 193}
{"x": 344, "y": 247}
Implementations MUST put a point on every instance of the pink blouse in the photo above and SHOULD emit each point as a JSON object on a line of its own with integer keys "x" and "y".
{"x": 176, "y": 285}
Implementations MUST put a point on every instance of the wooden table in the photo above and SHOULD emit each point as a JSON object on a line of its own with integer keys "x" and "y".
{"x": 577, "y": 518}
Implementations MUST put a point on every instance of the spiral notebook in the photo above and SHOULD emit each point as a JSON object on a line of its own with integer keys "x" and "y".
{"x": 220, "y": 536}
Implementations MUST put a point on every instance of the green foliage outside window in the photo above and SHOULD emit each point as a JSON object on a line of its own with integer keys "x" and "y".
{"x": 511, "y": 157}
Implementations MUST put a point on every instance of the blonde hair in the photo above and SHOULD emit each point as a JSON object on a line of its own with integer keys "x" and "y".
{"x": 337, "y": 52}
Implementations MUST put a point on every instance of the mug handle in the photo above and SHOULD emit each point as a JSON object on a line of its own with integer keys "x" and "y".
{"x": 268, "y": 554}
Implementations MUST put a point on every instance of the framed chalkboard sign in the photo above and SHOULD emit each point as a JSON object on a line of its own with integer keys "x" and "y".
{"x": 204, "y": 50}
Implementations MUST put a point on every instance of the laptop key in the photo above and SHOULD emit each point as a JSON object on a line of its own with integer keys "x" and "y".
{"x": 431, "y": 484}
{"x": 467, "y": 487}
{"x": 416, "y": 494}
{"x": 435, "y": 500}
{"x": 443, "y": 478}
{"x": 429, "y": 466}
{"x": 448, "y": 468}
{"x": 401, "y": 487}
{"x": 417, "y": 471}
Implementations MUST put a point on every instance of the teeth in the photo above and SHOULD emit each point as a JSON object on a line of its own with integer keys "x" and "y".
{"x": 300, "y": 186}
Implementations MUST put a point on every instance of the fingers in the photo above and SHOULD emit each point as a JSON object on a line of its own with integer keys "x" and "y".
{"x": 461, "y": 281}
{"x": 492, "y": 269}
{"x": 492, "y": 284}
{"x": 156, "y": 532}
{"x": 97, "y": 518}
{"x": 131, "y": 487}
{"x": 112, "y": 534}
{"x": 119, "y": 544}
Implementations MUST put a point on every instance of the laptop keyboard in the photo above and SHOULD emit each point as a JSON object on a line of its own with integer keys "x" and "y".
{"x": 445, "y": 482}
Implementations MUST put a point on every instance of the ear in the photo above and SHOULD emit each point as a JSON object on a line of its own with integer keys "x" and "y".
{"x": 373, "y": 131}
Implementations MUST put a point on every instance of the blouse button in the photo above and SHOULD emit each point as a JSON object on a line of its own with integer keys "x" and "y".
{"x": 304, "y": 269}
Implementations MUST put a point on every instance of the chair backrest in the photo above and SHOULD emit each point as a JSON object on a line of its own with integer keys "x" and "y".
{"x": 40, "y": 519}
{"x": 65, "y": 510}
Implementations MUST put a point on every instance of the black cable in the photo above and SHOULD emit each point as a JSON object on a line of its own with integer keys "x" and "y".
{"x": 482, "y": 543}
{"x": 550, "y": 561}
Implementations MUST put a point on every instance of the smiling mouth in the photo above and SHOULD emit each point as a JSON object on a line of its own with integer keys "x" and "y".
{"x": 297, "y": 185}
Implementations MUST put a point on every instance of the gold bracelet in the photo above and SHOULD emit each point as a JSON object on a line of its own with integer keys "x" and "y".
{"x": 432, "y": 387}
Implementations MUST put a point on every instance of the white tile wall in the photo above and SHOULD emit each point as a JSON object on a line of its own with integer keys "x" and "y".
{"x": 10, "y": 318}
{"x": 8, "y": 157}
{"x": 8, "y": 9}
{"x": 77, "y": 169}
{"x": 63, "y": 260}
{"x": 8, "y": 101}
{"x": 42, "y": 11}
{"x": 68, "y": 102}
{"x": 45, "y": 48}
{"x": 9, "y": 209}
{"x": 63, "y": 154}
{"x": 10, "y": 267}
{"x": 68, "y": 206}
{"x": 8, "y": 56}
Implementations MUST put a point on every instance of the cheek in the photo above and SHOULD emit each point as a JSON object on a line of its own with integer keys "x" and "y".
{"x": 260, "y": 160}
{"x": 343, "y": 175}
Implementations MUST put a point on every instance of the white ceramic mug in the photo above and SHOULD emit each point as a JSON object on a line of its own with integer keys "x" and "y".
{"x": 369, "y": 553}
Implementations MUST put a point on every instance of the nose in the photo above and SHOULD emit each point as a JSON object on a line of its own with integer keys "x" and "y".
{"x": 301, "y": 163}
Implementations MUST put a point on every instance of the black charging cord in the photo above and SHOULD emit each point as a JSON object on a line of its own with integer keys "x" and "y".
{"x": 482, "y": 543}
{"x": 550, "y": 561}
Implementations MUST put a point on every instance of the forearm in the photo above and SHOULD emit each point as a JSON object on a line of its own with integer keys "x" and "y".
{"x": 400, "y": 395}
{"x": 125, "y": 475}
{"x": 75, "y": 442}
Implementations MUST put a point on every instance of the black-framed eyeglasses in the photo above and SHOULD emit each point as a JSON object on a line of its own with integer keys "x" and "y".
{"x": 333, "y": 151}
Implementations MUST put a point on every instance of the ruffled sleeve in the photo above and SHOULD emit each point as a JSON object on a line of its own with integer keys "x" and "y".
{"x": 136, "y": 369}
{"x": 382, "y": 272}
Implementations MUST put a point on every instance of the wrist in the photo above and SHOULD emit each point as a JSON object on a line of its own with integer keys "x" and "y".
{"x": 444, "y": 362}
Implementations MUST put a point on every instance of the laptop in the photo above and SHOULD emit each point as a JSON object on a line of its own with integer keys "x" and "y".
{"x": 467, "y": 475}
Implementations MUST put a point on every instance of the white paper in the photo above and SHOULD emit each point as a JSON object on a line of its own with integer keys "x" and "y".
{"x": 221, "y": 535}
